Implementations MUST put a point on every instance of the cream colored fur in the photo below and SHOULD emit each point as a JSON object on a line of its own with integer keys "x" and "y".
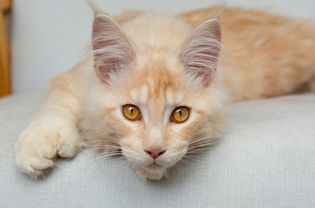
{"x": 140, "y": 61}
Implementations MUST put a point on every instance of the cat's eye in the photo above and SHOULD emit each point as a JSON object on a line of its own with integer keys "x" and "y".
{"x": 131, "y": 112}
{"x": 180, "y": 114}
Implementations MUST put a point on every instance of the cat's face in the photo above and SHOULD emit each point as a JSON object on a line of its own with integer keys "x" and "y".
{"x": 149, "y": 108}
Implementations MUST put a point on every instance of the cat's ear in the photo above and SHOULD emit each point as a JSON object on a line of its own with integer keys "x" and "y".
{"x": 201, "y": 51}
{"x": 111, "y": 48}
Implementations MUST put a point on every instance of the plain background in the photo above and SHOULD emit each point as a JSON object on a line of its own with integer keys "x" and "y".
{"x": 43, "y": 47}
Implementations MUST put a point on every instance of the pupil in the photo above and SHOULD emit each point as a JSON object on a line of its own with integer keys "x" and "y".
{"x": 131, "y": 111}
{"x": 180, "y": 113}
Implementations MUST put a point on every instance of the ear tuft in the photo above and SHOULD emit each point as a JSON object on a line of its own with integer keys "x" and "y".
{"x": 111, "y": 48}
{"x": 201, "y": 52}
{"x": 96, "y": 10}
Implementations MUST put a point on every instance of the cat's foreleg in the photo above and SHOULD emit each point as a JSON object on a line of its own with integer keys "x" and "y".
{"x": 53, "y": 132}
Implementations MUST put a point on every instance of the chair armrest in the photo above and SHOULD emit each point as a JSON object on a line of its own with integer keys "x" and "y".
{"x": 5, "y": 5}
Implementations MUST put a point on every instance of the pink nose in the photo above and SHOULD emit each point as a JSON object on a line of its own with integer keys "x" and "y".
{"x": 155, "y": 153}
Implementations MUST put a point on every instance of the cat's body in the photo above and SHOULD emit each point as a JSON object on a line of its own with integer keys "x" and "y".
{"x": 159, "y": 63}
{"x": 263, "y": 55}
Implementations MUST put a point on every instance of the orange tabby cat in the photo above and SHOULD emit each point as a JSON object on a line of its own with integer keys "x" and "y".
{"x": 159, "y": 84}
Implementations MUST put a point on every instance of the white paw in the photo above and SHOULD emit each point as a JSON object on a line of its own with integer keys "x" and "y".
{"x": 42, "y": 141}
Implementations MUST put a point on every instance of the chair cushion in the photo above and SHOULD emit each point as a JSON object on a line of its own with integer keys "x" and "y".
{"x": 266, "y": 159}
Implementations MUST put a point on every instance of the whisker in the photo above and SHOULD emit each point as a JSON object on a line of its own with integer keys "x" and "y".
{"x": 108, "y": 155}
{"x": 100, "y": 146}
{"x": 101, "y": 142}
{"x": 211, "y": 141}
{"x": 104, "y": 149}
{"x": 200, "y": 140}
{"x": 122, "y": 163}
{"x": 195, "y": 160}
{"x": 184, "y": 161}
{"x": 197, "y": 152}
{"x": 199, "y": 146}
{"x": 178, "y": 164}
{"x": 84, "y": 149}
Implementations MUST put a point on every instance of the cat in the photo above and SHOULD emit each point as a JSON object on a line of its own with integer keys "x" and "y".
{"x": 157, "y": 87}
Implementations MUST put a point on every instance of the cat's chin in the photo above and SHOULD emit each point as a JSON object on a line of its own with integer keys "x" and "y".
{"x": 152, "y": 173}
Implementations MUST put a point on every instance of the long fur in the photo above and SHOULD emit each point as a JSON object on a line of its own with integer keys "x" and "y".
{"x": 159, "y": 63}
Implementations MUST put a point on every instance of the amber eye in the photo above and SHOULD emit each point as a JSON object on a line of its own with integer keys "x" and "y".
{"x": 180, "y": 114}
{"x": 131, "y": 112}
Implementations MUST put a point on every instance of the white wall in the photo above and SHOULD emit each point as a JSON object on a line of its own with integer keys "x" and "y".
{"x": 48, "y": 36}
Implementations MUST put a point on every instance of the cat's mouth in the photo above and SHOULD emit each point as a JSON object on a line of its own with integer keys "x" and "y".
{"x": 154, "y": 165}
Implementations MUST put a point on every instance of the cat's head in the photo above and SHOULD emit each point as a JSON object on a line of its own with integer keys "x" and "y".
{"x": 156, "y": 97}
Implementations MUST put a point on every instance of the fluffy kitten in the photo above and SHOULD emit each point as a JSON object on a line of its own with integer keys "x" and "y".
{"x": 158, "y": 90}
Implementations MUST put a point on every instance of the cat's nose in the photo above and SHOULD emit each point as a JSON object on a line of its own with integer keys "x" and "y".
{"x": 155, "y": 152}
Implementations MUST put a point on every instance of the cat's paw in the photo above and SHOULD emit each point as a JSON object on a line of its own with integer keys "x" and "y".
{"x": 42, "y": 141}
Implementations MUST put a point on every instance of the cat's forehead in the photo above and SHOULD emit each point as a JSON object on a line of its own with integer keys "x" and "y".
{"x": 149, "y": 93}
{"x": 150, "y": 29}
{"x": 157, "y": 83}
